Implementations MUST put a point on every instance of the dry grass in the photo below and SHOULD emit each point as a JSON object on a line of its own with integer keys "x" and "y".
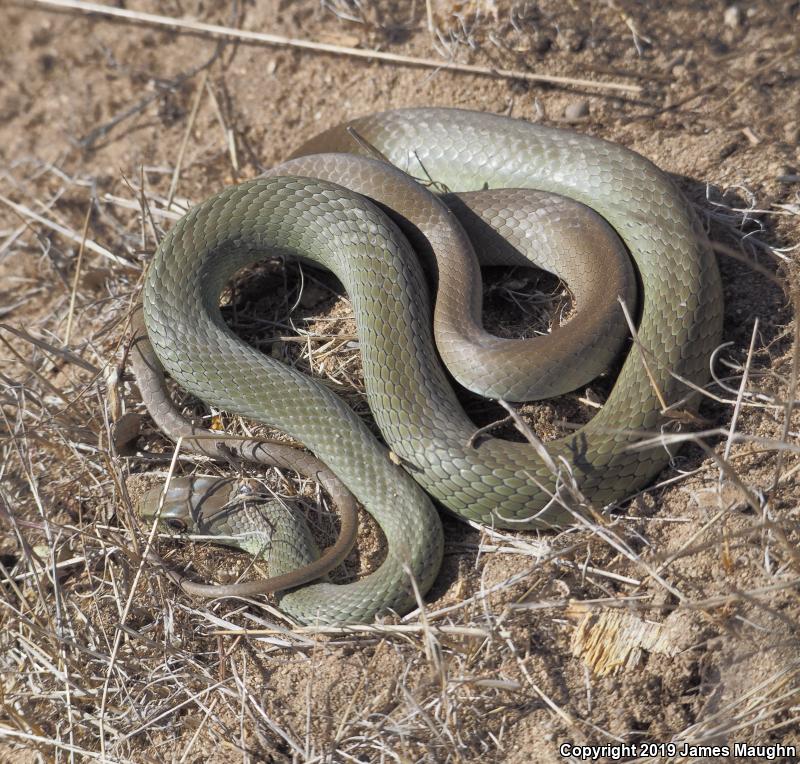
{"x": 102, "y": 659}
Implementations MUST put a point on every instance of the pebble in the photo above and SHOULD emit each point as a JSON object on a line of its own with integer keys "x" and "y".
{"x": 577, "y": 109}
{"x": 732, "y": 17}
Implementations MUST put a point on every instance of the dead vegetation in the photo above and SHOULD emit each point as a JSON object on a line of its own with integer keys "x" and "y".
{"x": 671, "y": 618}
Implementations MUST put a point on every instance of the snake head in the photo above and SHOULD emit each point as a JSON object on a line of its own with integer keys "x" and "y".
{"x": 192, "y": 504}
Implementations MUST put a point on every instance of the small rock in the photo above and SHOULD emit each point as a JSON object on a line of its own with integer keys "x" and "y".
{"x": 577, "y": 110}
{"x": 791, "y": 132}
{"x": 732, "y": 17}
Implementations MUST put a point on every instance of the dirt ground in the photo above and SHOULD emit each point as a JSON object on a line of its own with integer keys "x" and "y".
{"x": 673, "y": 622}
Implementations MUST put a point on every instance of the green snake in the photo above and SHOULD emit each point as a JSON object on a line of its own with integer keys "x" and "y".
{"x": 433, "y": 453}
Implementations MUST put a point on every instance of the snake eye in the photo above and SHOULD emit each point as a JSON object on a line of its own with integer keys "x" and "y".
{"x": 176, "y": 524}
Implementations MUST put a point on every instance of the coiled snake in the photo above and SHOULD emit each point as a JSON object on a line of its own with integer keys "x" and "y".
{"x": 492, "y": 481}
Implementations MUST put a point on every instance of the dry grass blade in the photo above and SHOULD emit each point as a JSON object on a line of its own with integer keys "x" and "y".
{"x": 76, "y": 279}
{"x": 29, "y": 214}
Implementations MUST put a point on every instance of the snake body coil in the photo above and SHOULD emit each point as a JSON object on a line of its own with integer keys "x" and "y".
{"x": 494, "y": 481}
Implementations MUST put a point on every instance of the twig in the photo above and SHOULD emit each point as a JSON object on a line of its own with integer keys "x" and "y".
{"x": 26, "y": 212}
{"x": 737, "y": 408}
{"x": 228, "y": 132}
{"x": 63, "y": 353}
{"x": 127, "y": 204}
{"x": 363, "y": 628}
{"x": 78, "y": 264}
{"x": 322, "y": 47}
{"x": 16, "y": 233}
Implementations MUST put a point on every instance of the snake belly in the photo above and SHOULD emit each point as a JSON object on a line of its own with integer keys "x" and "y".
{"x": 496, "y": 482}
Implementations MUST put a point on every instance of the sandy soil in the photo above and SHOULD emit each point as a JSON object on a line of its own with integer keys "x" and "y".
{"x": 676, "y": 625}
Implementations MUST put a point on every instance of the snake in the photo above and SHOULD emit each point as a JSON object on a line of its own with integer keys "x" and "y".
{"x": 328, "y": 206}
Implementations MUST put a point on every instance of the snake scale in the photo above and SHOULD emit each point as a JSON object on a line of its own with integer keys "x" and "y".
{"x": 492, "y": 481}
